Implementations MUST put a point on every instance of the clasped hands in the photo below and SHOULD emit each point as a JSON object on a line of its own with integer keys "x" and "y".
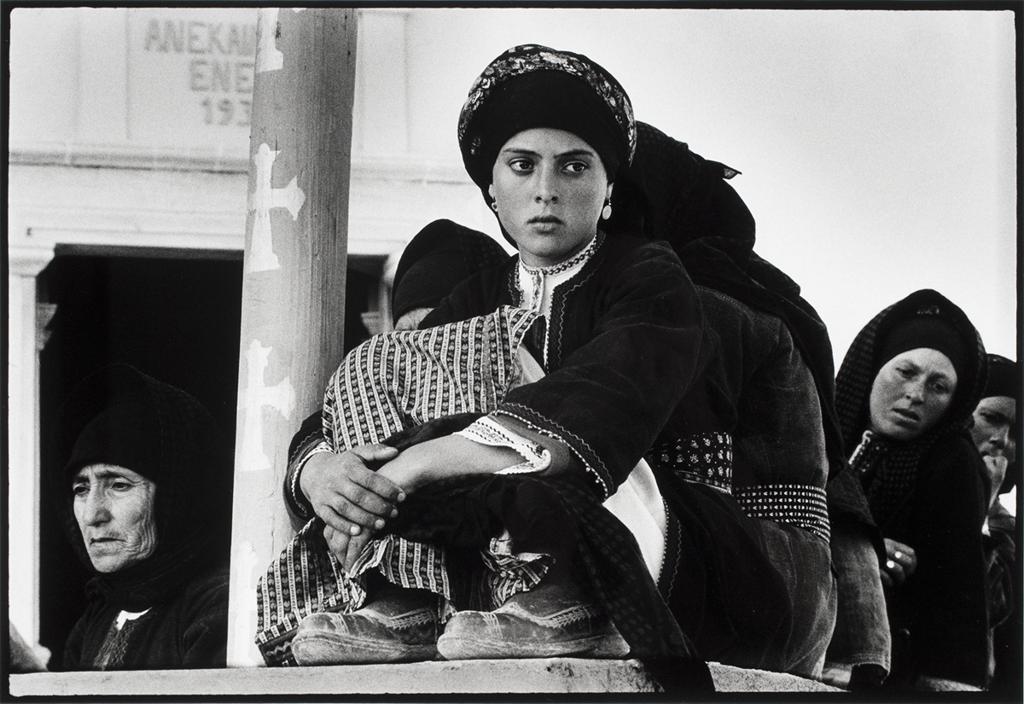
{"x": 355, "y": 502}
{"x": 352, "y": 499}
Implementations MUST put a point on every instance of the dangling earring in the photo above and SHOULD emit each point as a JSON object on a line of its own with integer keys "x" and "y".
{"x": 606, "y": 211}
{"x": 494, "y": 206}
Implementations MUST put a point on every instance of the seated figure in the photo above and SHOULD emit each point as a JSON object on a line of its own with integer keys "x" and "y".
{"x": 146, "y": 499}
{"x": 613, "y": 325}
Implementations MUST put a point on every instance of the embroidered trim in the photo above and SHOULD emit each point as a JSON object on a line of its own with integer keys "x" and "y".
{"x": 539, "y": 276}
{"x": 556, "y": 327}
{"x": 487, "y": 431}
{"x": 578, "y": 258}
{"x": 297, "y": 496}
{"x": 603, "y": 484}
{"x": 704, "y": 458}
{"x": 800, "y": 505}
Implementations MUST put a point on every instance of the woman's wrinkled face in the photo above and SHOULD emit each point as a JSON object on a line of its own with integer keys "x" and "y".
{"x": 114, "y": 509}
{"x": 994, "y": 416}
{"x": 911, "y": 392}
{"x": 549, "y": 186}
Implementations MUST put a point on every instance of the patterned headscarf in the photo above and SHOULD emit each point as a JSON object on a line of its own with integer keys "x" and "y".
{"x": 892, "y": 466}
{"x": 535, "y": 86}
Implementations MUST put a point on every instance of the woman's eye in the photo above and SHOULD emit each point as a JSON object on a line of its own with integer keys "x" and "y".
{"x": 940, "y": 388}
{"x": 904, "y": 372}
{"x": 120, "y": 485}
{"x": 576, "y": 167}
{"x": 80, "y": 489}
{"x": 520, "y": 165}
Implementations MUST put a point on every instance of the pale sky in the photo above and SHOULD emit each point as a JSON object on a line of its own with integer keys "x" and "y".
{"x": 878, "y": 148}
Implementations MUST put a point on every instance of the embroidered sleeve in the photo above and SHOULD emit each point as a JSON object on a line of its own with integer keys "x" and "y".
{"x": 609, "y": 397}
{"x": 307, "y": 441}
{"x": 488, "y": 431}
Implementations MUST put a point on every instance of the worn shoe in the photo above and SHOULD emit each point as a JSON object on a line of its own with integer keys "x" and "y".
{"x": 542, "y": 623}
{"x": 402, "y": 627}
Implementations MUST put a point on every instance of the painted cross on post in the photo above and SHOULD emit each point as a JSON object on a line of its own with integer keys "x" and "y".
{"x": 260, "y": 255}
{"x": 293, "y": 290}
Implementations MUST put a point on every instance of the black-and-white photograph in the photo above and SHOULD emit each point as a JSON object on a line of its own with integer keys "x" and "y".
{"x": 527, "y": 351}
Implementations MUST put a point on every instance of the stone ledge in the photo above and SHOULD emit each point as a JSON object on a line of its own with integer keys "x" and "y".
{"x": 541, "y": 676}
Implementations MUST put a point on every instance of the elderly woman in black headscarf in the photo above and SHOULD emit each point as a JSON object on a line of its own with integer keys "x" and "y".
{"x": 146, "y": 502}
{"x": 905, "y": 393}
{"x": 995, "y": 433}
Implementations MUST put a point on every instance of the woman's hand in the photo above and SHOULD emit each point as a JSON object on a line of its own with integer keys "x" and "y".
{"x": 350, "y": 498}
{"x": 900, "y": 563}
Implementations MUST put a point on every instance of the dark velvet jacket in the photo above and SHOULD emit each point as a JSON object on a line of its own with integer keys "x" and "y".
{"x": 626, "y": 346}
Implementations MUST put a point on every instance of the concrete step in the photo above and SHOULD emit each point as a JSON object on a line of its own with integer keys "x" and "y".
{"x": 540, "y": 676}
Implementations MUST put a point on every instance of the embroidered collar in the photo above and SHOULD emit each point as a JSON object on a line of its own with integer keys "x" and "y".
{"x": 540, "y": 274}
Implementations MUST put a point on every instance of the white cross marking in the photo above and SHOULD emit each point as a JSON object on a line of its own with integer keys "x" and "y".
{"x": 253, "y": 399}
{"x": 268, "y": 57}
{"x": 261, "y": 255}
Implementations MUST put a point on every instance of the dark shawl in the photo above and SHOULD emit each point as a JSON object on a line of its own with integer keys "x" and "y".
{"x": 672, "y": 194}
{"x": 927, "y": 493}
{"x": 192, "y": 472}
{"x": 437, "y": 258}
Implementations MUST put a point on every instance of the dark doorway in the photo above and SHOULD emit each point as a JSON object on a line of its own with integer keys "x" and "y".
{"x": 175, "y": 318}
{"x": 174, "y": 315}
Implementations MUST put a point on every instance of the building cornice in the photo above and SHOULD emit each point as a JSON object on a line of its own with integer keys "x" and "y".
{"x": 414, "y": 168}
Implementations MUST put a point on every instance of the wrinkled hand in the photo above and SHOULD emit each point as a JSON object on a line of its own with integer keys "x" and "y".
{"x": 900, "y": 563}
{"x": 350, "y": 498}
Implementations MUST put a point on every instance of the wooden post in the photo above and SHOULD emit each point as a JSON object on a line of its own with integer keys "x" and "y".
{"x": 293, "y": 290}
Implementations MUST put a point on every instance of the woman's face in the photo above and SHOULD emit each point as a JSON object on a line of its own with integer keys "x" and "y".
{"x": 114, "y": 509}
{"x": 993, "y": 418}
{"x": 549, "y": 186}
{"x": 911, "y": 392}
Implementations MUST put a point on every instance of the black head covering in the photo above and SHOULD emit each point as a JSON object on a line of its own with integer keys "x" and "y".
{"x": 1004, "y": 378}
{"x": 440, "y": 256}
{"x": 670, "y": 193}
{"x": 925, "y": 329}
{"x": 531, "y": 86}
{"x": 895, "y": 475}
{"x": 121, "y": 416}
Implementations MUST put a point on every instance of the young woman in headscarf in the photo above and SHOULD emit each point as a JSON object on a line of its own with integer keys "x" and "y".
{"x": 618, "y": 335}
{"x": 146, "y": 500}
{"x": 904, "y": 394}
{"x": 625, "y": 351}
